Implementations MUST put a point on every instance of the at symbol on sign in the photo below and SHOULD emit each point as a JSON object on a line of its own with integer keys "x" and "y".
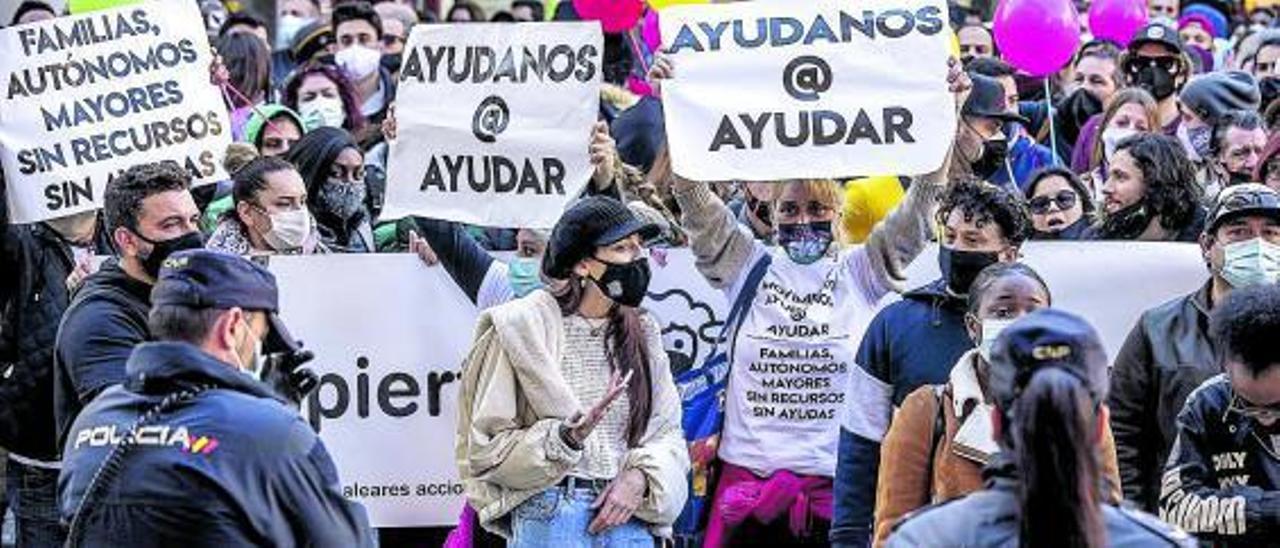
{"x": 806, "y": 77}
{"x": 490, "y": 119}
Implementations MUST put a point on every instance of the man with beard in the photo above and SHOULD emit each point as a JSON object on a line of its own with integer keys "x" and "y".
{"x": 1171, "y": 350}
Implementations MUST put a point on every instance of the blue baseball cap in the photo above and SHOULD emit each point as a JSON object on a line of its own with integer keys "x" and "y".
{"x": 211, "y": 279}
{"x": 1046, "y": 338}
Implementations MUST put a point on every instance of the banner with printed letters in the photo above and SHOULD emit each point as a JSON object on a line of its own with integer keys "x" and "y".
{"x": 494, "y": 122}
{"x": 767, "y": 91}
{"x": 88, "y": 96}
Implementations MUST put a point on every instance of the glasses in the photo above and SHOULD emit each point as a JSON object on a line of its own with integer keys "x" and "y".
{"x": 1263, "y": 415}
{"x": 1165, "y": 63}
{"x": 1065, "y": 200}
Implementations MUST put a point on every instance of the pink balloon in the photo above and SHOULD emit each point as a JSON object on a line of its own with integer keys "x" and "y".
{"x": 1117, "y": 20}
{"x": 651, "y": 33}
{"x": 613, "y": 15}
{"x": 1037, "y": 36}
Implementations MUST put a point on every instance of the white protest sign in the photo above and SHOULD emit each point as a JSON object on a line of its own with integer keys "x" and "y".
{"x": 389, "y": 335}
{"x": 494, "y": 122}
{"x": 88, "y": 96}
{"x": 767, "y": 91}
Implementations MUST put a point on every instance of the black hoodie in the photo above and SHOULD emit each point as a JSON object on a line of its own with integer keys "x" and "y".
{"x": 106, "y": 319}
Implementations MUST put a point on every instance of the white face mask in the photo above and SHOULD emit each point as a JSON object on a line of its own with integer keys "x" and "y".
{"x": 287, "y": 29}
{"x": 991, "y": 329}
{"x": 1250, "y": 263}
{"x": 1111, "y": 139}
{"x": 359, "y": 61}
{"x": 289, "y": 229}
{"x": 322, "y": 112}
{"x": 254, "y": 367}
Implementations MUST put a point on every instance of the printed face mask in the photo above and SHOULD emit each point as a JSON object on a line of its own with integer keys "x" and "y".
{"x": 289, "y": 229}
{"x": 359, "y": 61}
{"x": 524, "y": 275}
{"x": 344, "y": 200}
{"x": 806, "y": 242}
{"x": 323, "y": 112}
{"x": 625, "y": 284}
{"x": 1196, "y": 141}
{"x": 161, "y": 250}
{"x": 1250, "y": 263}
{"x": 991, "y": 329}
{"x": 961, "y": 268}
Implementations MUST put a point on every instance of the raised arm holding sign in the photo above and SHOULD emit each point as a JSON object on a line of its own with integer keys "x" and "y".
{"x": 90, "y": 95}
{"x": 785, "y": 90}
{"x": 495, "y": 122}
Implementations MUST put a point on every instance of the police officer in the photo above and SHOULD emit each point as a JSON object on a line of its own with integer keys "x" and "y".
{"x": 1048, "y": 380}
{"x": 193, "y": 449}
{"x": 1223, "y": 478}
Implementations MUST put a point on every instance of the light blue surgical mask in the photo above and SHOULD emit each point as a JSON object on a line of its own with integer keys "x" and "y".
{"x": 1250, "y": 263}
{"x": 525, "y": 275}
{"x": 991, "y": 329}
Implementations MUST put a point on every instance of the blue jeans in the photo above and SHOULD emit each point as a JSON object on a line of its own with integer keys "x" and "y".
{"x": 35, "y": 506}
{"x": 559, "y": 517}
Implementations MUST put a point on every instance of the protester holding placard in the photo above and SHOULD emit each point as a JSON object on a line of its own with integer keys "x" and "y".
{"x": 332, "y": 166}
{"x": 1170, "y": 350}
{"x": 794, "y": 354}
{"x": 540, "y": 466}
{"x": 269, "y": 215}
{"x": 34, "y": 293}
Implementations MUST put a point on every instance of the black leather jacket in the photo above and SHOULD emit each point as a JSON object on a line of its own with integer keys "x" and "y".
{"x": 990, "y": 518}
{"x": 1167, "y": 355}
{"x": 1223, "y": 480}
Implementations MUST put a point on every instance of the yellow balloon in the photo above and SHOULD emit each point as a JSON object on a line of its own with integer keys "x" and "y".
{"x": 955, "y": 44}
{"x": 866, "y": 202}
{"x": 664, "y": 4}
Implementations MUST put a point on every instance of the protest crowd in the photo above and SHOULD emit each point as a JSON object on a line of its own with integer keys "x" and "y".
{"x": 921, "y": 245}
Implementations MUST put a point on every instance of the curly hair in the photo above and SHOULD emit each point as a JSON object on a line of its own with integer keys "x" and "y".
{"x": 999, "y": 271}
{"x": 983, "y": 203}
{"x": 1244, "y": 326}
{"x": 123, "y": 198}
{"x": 1169, "y": 176}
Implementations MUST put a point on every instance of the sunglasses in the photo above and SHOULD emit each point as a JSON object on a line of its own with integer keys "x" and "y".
{"x": 1065, "y": 200}
{"x": 1166, "y": 63}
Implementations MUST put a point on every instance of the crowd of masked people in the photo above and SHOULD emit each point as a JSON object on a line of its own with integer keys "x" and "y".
{"x": 971, "y": 410}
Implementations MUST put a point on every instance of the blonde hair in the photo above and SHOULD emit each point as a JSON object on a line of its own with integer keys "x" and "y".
{"x": 825, "y": 191}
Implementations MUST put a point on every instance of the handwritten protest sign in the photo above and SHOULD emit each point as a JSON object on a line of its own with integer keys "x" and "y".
{"x": 825, "y": 88}
{"x": 494, "y": 122}
{"x": 88, "y": 96}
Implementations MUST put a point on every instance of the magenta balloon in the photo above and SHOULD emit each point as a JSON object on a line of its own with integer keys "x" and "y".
{"x": 652, "y": 33}
{"x": 613, "y": 15}
{"x": 1037, "y": 36}
{"x": 1117, "y": 20}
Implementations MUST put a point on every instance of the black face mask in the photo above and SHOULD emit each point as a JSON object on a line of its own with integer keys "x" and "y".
{"x": 961, "y": 268}
{"x": 161, "y": 250}
{"x": 625, "y": 284}
{"x": 994, "y": 153}
{"x": 1236, "y": 178}
{"x": 392, "y": 62}
{"x": 1157, "y": 82}
{"x": 1126, "y": 224}
{"x": 1074, "y": 111}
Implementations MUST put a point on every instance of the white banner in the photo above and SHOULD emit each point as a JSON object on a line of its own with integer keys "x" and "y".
{"x": 494, "y": 122}
{"x": 767, "y": 91}
{"x": 88, "y": 96}
{"x": 390, "y": 335}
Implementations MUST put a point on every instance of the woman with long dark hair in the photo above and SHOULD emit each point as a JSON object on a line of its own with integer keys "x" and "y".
{"x": 568, "y": 419}
{"x": 1060, "y": 205}
{"x": 332, "y": 166}
{"x": 324, "y": 97}
{"x": 1047, "y": 381}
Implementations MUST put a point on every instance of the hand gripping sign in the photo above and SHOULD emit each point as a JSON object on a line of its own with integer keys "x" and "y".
{"x": 88, "y": 96}
{"x": 824, "y": 88}
{"x": 494, "y": 122}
